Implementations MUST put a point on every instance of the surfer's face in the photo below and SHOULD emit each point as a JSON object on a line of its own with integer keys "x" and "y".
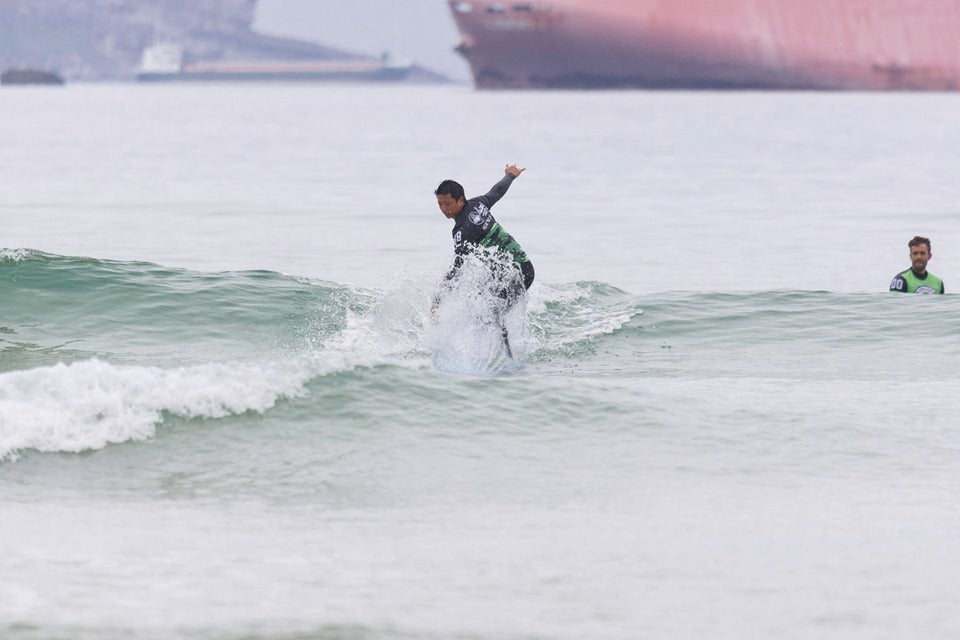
{"x": 919, "y": 257}
{"x": 449, "y": 206}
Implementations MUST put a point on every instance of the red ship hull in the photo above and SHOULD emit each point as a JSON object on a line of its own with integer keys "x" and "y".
{"x": 707, "y": 44}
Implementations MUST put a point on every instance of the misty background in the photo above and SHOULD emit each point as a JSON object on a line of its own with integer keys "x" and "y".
{"x": 422, "y": 31}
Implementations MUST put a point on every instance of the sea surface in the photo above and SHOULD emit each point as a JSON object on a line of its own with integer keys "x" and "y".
{"x": 226, "y": 412}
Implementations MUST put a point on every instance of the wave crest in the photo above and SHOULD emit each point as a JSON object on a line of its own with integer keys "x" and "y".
{"x": 87, "y": 405}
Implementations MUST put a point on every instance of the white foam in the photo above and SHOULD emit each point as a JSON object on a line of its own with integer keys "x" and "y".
{"x": 16, "y": 255}
{"x": 89, "y": 404}
{"x": 466, "y": 335}
{"x": 582, "y": 317}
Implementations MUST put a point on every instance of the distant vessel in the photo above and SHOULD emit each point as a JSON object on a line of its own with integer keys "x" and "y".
{"x": 712, "y": 44}
{"x": 164, "y": 62}
{"x": 30, "y": 76}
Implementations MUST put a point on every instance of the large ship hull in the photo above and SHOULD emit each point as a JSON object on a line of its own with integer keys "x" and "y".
{"x": 707, "y": 44}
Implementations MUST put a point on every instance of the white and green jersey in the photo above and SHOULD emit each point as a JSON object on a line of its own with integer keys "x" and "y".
{"x": 909, "y": 282}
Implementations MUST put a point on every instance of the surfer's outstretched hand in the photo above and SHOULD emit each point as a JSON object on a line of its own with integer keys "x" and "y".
{"x": 513, "y": 170}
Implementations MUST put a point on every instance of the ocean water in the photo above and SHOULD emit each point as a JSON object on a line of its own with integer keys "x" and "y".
{"x": 226, "y": 413}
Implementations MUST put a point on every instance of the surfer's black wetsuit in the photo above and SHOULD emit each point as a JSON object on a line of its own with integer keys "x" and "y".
{"x": 475, "y": 227}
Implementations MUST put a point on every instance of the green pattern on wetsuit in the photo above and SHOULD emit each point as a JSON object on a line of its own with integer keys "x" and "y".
{"x": 496, "y": 236}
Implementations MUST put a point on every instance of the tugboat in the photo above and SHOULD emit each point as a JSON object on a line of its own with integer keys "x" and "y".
{"x": 30, "y": 76}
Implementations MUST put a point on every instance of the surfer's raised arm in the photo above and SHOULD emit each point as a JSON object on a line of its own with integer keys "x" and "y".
{"x": 497, "y": 191}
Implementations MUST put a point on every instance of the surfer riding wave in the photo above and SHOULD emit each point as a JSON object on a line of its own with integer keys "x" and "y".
{"x": 476, "y": 234}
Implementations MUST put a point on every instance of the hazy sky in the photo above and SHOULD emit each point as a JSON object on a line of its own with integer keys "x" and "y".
{"x": 420, "y": 30}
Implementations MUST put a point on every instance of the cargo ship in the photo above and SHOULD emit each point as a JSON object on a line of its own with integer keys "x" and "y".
{"x": 866, "y": 45}
{"x": 165, "y": 63}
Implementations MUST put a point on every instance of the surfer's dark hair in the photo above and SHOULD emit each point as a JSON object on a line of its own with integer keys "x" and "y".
{"x": 450, "y": 188}
{"x": 919, "y": 240}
